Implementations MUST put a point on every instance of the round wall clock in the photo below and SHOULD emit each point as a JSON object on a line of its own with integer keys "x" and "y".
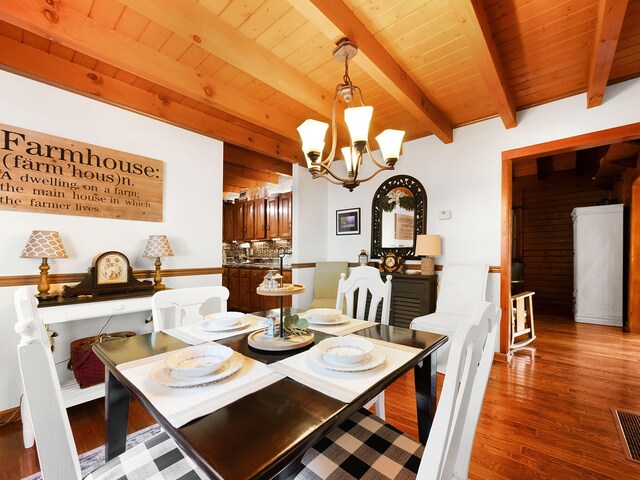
{"x": 391, "y": 263}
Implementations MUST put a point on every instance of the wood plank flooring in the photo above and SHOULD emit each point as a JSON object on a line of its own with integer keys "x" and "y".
{"x": 545, "y": 416}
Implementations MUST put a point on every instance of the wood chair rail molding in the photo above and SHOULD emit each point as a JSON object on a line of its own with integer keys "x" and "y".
{"x": 608, "y": 136}
{"x": 57, "y": 278}
{"x": 408, "y": 266}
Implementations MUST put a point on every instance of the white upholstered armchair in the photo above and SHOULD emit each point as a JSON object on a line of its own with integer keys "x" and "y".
{"x": 461, "y": 288}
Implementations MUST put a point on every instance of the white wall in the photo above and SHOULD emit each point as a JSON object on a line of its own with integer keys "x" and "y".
{"x": 465, "y": 177}
{"x": 192, "y": 206}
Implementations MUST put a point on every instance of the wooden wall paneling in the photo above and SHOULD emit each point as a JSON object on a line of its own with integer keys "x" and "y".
{"x": 547, "y": 233}
{"x": 103, "y": 88}
{"x": 85, "y": 35}
{"x": 633, "y": 309}
{"x": 610, "y": 17}
{"x": 505, "y": 254}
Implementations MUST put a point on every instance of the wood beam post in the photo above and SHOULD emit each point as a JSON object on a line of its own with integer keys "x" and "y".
{"x": 35, "y": 63}
{"x": 336, "y": 20}
{"x": 476, "y": 27}
{"x": 195, "y": 22}
{"x": 60, "y": 22}
{"x": 610, "y": 19}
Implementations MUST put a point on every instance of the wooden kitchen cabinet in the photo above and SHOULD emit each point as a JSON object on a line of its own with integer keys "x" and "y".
{"x": 248, "y": 215}
{"x": 284, "y": 215}
{"x": 257, "y": 275}
{"x": 244, "y": 303}
{"x": 238, "y": 221}
{"x": 234, "y": 289}
{"x": 272, "y": 216}
{"x": 260, "y": 218}
{"x": 227, "y": 222}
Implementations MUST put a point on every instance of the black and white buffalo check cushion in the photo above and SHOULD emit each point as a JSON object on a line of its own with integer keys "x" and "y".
{"x": 363, "y": 447}
{"x": 157, "y": 458}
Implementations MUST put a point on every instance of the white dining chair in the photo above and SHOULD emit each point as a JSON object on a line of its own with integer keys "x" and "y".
{"x": 57, "y": 452}
{"x": 185, "y": 306}
{"x": 461, "y": 288}
{"x": 365, "y": 446}
{"x": 366, "y": 281}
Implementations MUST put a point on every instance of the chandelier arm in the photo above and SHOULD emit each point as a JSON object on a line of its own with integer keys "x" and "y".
{"x": 334, "y": 133}
{"x": 327, "y": 170}
{"x": 329, "y": 180}
{"x": 373, "y": 159}
{"x": 362, "y": 180}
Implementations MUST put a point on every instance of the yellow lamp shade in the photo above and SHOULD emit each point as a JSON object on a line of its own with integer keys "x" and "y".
{"x": 312, "y": 133}
{"x": 390, "y": 142}
{"x": 358, "y": 120}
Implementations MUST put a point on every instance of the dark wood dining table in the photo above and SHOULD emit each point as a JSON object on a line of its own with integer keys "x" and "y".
{"x": 264, "y": 434}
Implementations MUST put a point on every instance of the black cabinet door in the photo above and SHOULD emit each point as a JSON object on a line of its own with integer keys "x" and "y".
{"x": 411, "y": 296}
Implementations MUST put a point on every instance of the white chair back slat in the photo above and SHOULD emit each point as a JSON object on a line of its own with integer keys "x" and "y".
{"x": 56, "y": 448}
{"x": 365, "y": 280}
{"x": 461, "y": 397}
{"x": 185, "y": 306}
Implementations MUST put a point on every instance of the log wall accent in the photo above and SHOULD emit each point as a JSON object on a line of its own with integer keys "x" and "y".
{"x": 546, "y": 233}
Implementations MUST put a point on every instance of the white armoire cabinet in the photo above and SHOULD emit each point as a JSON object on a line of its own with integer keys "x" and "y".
{"x": 597, "y": 248}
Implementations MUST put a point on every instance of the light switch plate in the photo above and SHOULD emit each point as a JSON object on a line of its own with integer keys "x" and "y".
{"x": 444, "y": 214}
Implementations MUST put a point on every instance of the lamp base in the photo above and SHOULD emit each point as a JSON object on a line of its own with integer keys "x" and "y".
{"x": 159, "y": 286}
{"x": 427, "y": 266}
{"x": 46, "y": 296}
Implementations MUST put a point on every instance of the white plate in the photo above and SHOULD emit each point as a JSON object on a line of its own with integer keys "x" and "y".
{"x": 162, "y": 375}
{"x": 341, "y": 320}
{"x": 226, "y": 319}
{"x": 212, "y": 326}
{"x": 373, "y": 360}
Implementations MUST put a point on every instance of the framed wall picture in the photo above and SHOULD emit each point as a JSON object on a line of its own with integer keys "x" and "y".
{"x": 348, "y": 221}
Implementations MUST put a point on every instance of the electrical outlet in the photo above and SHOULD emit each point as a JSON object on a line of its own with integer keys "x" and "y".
{"x": 444, "y": 214}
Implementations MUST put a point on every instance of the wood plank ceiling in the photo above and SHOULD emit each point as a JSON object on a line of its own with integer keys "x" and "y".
{"x": 249, "y": 71}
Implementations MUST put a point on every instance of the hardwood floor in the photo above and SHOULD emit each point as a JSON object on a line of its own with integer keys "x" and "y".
{"x": 545, "y": 416}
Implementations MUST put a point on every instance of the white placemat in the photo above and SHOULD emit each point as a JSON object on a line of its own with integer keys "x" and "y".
{"x": 193, "y": 334}
{"x": 344, "y": 386}
{"x": 181, "y": 405}
{"x": 346, "y": 328}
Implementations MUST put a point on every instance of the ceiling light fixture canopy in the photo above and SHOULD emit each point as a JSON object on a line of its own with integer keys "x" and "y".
{"x": 357, "y": 117}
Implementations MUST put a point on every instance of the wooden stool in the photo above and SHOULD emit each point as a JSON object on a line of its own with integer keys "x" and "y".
{"x": 522, "y": 319}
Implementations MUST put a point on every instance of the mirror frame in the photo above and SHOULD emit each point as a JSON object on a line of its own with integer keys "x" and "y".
{"x": 420, "y": 220}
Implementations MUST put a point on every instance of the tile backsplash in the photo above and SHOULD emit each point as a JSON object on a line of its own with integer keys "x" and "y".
{"x": 260, "y": 250}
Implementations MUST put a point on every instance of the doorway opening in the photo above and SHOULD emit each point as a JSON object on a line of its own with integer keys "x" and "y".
{"x": 598, "y": 167}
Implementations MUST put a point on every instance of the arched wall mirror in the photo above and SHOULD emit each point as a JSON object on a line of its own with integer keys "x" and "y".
{"x": 398, "y": 215}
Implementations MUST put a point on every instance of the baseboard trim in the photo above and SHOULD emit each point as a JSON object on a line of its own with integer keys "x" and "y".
{"x": 503, "y": 357}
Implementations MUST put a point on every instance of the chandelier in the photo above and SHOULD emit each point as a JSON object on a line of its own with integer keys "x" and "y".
{"x": 357, "y": 117}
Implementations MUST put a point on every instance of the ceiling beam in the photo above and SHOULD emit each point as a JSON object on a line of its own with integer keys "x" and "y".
{"x": 245, "y": 158}
{"x": 54, "y": 70}
{"x": 240, "y": 181}
{"x": 194, "y": 22}
{"x": 58, "y": 21}
{"x": 250, "y": 173}
{"x": 477, "y": 29}
{"x": 336, "y": 20}
{"x": 231, "y": 188}
{"x": 610, "y": 19}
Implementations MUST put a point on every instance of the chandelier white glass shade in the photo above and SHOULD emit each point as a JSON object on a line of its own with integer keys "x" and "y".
{"x": 358, "y": 118}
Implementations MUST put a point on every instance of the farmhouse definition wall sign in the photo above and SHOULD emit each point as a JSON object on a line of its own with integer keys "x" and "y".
{"x": 43, "y": 173}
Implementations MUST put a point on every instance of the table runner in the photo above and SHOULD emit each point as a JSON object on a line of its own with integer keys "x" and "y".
{"x": 192, "y": 334}
{"x": 344, "y": 386}
{"x": 181, "y": 405}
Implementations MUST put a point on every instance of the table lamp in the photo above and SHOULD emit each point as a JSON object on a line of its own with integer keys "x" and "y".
{"x": 158, "y": 246}
{"x": 44, "y": 244}
{"x": 428, "y": 245}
